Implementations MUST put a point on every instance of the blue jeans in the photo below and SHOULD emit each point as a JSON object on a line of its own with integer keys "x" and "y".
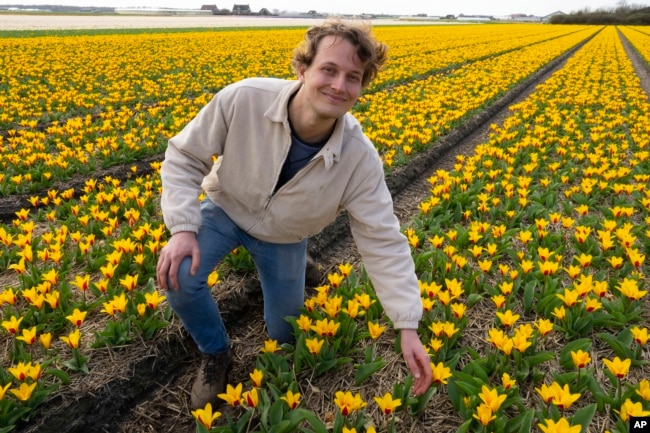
{"x": 281, "y": 269}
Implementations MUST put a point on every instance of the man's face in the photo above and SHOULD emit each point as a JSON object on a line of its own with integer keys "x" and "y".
{"x": 333, "y": 81}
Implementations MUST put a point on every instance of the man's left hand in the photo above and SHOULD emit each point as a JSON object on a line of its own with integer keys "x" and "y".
{"x": 417, "y": 359}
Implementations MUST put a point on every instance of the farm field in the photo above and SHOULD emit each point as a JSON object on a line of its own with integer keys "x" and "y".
{"x": 530, "y": 249}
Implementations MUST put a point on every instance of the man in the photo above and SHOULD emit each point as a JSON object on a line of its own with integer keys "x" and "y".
{"x": 290, "y": 157}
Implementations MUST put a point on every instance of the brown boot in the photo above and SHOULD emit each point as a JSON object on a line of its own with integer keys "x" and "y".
{"x": 312, "y": 273}
{"x": 211, "y": 380}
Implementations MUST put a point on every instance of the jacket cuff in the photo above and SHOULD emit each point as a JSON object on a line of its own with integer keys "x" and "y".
{"x": 406, "y": 325}
{"x": 184, "y": 228}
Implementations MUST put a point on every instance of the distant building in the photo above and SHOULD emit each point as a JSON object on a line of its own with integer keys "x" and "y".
{"x": 212, "y": 8}
{"x": 548, "y": 17}
{"x": 241, "y": 10}
{"x": 167, "y": 12}
{"x": 523, "y": 18}
{"x": 462, "y": 17}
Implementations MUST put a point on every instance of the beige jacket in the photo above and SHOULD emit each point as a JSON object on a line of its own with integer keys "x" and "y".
{"x": 246, "y": 125}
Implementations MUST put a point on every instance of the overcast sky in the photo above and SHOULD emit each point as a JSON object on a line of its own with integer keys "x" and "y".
{"x": 399, "y": 7}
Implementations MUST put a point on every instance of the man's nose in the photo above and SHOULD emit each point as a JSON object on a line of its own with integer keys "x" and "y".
{"x": 338, "y": 82}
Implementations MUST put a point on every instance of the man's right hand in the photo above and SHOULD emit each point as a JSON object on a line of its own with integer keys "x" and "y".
{"x": 181, "y": 245}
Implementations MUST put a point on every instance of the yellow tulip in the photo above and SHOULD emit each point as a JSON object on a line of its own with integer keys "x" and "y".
{"x": 24, "y": 391}
{"x": 618, "y": 367}
{"x": 251, "y": 398}
{"x": 348, "y": 403}
{"x": 629, "y": 408}
{"x": 387, "y": 404}
{"x": 484, "y": 414}
{"x": 72, "y": 339}
{"x": 440, "y": 373}
{"x": 256, "y": 377}
{"x": 376, "y": 330}
{"x": 233, "y": 395}
{"x": 205, "y": 416}
{"x": 292, "y": 399}
{"x": 77, "y": 317}
{"x": 561, "y": 426}
{"x": 580, "y": 358}
{"x": 314, "y": 345}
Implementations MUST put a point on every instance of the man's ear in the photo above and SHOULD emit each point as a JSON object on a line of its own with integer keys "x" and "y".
{"x": 301, "y": 73}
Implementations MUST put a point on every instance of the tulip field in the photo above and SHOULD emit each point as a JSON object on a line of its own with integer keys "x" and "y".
{"x": 530, "y": 252}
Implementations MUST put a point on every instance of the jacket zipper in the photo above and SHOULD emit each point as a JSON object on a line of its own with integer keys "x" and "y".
{"x": 298, "y": 175}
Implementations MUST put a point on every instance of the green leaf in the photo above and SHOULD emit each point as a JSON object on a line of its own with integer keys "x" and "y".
{"x": 454, "y": 393}
{"x": 583, "y": 325}
{"x": 422, "y": 401}
{"x": 243, "y": 421}
{"x": 282, "y": 427}
{"x": 366, "y": 370}
{"x": 277, "y": 412}
{"x": 617, "y": 346}
{"x": 546, "y": 305}
{"x": 476, "y": 370}
{"x": 529, "y": 295}
{"x": 599, "y": 395}
{"x": 458, "y": 212}
{"x": 467, "y": 376}
{"x": 200, "y": 428}
{"x": 539, "y": 357}
{"x": 467, "y": 388}
{"x": 474, "y": 299}
{"x": 464, "y": 427}
{"x": 523, "y": 423}
{"x": 583, "y": 417}
{"x": 324, "y": 366}
{"x": 566, "y": 377}
{"x": 566, "y": 361}
{"x": 311, "y": 418}
{"x": 61, "y": 375}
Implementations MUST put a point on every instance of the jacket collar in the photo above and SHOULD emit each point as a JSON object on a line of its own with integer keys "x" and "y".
{"x": 279, "y": 112}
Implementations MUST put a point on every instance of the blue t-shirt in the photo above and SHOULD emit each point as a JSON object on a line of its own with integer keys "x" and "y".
{"x": 300, "y": 154}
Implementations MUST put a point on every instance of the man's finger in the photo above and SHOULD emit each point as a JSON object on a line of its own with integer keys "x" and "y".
{"x": 196, "y": 261}
{"x": 161, "y": 273}
{"x": 173, "y": 276}
{"x": 422, "y": 374}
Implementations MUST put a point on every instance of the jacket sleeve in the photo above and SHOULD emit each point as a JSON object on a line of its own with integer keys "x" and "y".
{"x": 188, "y": 159}
{"x": 384, "y": 249}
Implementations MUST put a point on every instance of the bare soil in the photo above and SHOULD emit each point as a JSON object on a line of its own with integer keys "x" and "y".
{"x": 145, "y": 388}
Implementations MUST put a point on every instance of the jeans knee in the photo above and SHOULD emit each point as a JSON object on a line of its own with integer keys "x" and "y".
{"x": 189, "y": 286}
{"x": 187, "y": 281}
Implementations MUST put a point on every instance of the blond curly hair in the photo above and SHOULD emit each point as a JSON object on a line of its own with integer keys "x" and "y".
{"x": 372, "y": 53}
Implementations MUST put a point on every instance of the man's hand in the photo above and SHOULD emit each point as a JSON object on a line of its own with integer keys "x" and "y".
{"x": 417, "y": 359}
{"x": 181, "y": 245}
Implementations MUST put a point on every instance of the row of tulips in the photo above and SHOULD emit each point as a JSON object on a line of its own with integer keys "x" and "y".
{"x": 113, "y": 233}
{"x": 536, "y": 230}
{"x": 640, "y": 39}
{"x": 90, "y": 74}
{"x": 549, "y": 222}
{"x": 421, "y": 111}
{"x": 79, "y": 276}
{"x": 133, "y": 124}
